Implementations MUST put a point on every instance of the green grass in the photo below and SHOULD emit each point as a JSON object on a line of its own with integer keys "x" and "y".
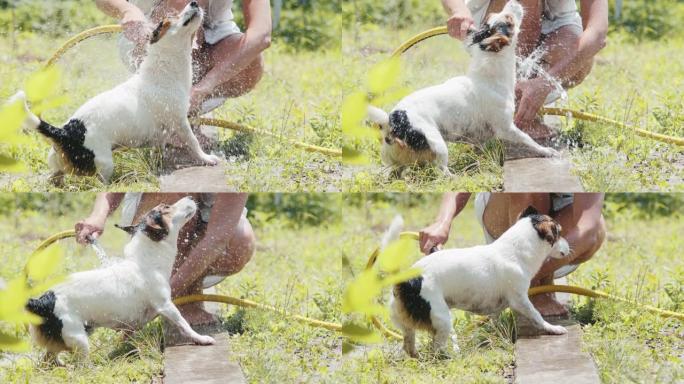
{"x": 639, "y": 260}
{"x": 297, "y": 98}
{"x": 635, "y": 83}
{"x": 296, "y": 270}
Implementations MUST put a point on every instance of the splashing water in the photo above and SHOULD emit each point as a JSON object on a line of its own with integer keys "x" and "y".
{"x": 530, "y": 66}
{"x": 101, "y": 254}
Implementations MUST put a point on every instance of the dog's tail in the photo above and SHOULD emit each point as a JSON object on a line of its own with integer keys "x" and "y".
{"x": 69, "y": 140}
{"x": 378, "y": 116}
{"x": 392, "y": 232}
{"x": 31, "y": 121}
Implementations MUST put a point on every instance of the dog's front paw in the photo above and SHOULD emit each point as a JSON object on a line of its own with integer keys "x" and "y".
{"x": 550, "y": 152}
{"x": 211, "y": 159}
{"x": 555, "y": 329}
{"x": 204, "y": 340}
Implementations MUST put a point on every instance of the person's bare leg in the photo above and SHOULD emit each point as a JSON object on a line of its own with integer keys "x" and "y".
{"x": 242, "y": 82}
{"x": 236, "y": 254}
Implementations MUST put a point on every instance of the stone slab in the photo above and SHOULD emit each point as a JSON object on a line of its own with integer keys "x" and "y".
{"x": 196, "y": 179}
{"x": 202, "y": 364}
{"x": 552, "y": 358}
{"x": 540, "y": 175}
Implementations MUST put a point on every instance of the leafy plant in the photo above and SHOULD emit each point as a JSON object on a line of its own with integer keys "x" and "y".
{"x": 360, "y": 296}
{"x": 37, "y": 278}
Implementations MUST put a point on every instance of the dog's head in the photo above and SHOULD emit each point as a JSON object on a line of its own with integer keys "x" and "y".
{"x": 548, "y": 231}
{"x": 164, "y": 221}
{"x": 183, "y": 26}
{"x": 499, "y": 31}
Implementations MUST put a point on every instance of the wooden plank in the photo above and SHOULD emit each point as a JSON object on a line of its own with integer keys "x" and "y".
{"x": 193, "y": 179}
{"x": 208, "y": 364}
{"x": 540, "y": 175}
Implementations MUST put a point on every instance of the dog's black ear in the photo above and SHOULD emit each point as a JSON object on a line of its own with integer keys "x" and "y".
{"x": 159, "y": 32}
{"x": 130, "y": 229}
{"x": 530, "y": 211}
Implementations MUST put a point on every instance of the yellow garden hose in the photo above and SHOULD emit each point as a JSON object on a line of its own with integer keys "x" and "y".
{"x": 548, "y": 111}
{"x": 115, "y": 28}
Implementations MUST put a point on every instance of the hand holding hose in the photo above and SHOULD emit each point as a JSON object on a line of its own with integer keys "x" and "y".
{"x": 88, "y": 230}
{"x": 432, "y": 238}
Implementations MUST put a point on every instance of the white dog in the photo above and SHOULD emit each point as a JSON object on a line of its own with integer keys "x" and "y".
{"x": 150, "y": 108}
{"x": 472, "y": 108}
{"x": 484, "y": 279}
{"x": 123, "y": 296}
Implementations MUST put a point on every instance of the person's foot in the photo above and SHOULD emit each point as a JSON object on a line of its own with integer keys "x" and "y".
{"x": 548, "y": 306}
{"x": 539, "y": 132}
{"x": 196, "y": 315}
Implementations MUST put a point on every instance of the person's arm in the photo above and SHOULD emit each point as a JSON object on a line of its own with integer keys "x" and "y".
{"x": 256, "y": 39}
{"x": 530, "y": 27}
{"x": 132, "y": 19}
{"x": 592, "y": 40}
{"x": 437, "y": 233}
{"x": 224, "y": 218}
{"x": 92, "y": 227}
{"x": 584, "y": 238}
{"x": 460, "y": 19}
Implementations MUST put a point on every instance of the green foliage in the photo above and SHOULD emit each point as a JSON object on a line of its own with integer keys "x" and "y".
{"x": 296, "y": 209}
{"x": 393, "y": 13}
{"x": 39, "y": 267}
{"x": 52, "y": 18}
{"x": 40, "y": 90}
{"x": 644, "y": 205}
{"x": 648, "y": 19}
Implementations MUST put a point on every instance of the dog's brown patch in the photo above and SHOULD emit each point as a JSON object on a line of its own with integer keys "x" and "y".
{"x": 155, "y": 224}
{"x": 160, "y": 31}
{"x": 495, "y": 43}
{"x": 547, "y": 228}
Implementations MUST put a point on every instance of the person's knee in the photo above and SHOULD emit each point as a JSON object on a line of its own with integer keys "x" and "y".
{"x": 242, "y": 245}
{"x": 596, "y": 237}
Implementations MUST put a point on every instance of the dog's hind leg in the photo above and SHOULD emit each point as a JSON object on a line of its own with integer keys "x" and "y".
{"x": 104, "y": 163}
{"x": 441, "y": 323}
{"x": 76, "y": 338}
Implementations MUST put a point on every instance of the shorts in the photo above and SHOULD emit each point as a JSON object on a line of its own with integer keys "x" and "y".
{"x": 553, "y": 18}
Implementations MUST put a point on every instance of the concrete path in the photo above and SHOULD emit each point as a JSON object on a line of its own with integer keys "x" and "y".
{"x": 193, "y": 179}
{"x": 196, "y": 364}
{"x": 550, "y": 358}
{"x": 540, "y": 175}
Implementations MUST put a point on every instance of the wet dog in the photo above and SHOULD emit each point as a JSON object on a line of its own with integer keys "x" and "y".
{"x": 484, "y": 279}
{"x": 472, "y": 108}
{"x": 150, "y": 108}
{"x": 124, "y": 296}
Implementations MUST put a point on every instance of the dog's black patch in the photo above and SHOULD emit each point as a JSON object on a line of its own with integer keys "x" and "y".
{"x": 402, "y": 129}
{"x": 547, "y": 228}
{"x": 68, "y": 142}
{"x": 44, "y": 306}
{"x": 416, "y": 306}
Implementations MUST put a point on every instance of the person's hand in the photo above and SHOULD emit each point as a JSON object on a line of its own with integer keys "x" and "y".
{"x": 531, "y": 95}
{"x": 136, "y": 29}
{"x": 88, "y": 230}
{"x": 459, "y": 23}
{"x": 433, "y": 236}
{"x": 197, "y": 96}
